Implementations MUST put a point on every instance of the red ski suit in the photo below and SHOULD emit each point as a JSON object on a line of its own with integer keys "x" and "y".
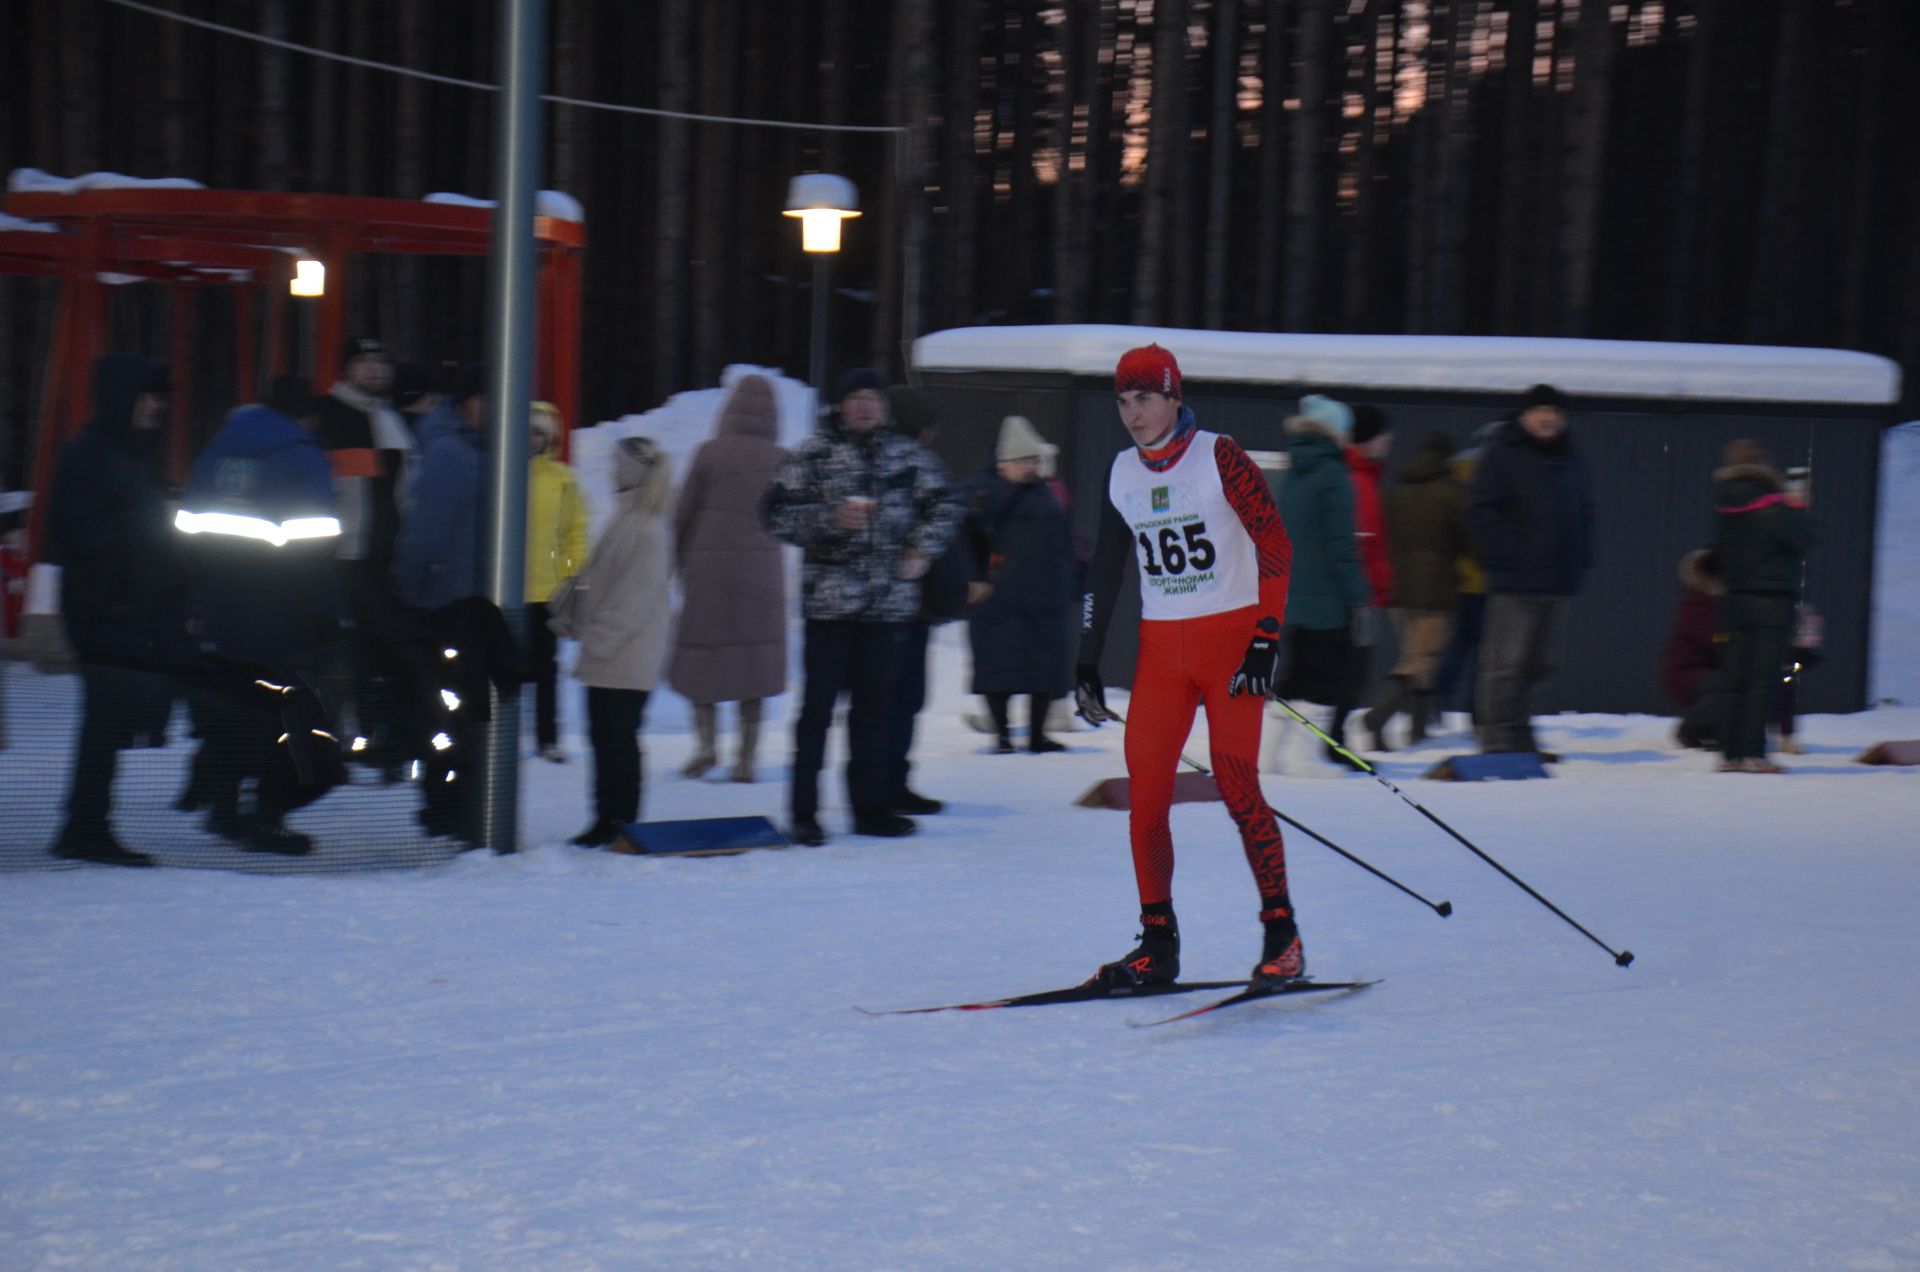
{"x": 1187, "y": 661}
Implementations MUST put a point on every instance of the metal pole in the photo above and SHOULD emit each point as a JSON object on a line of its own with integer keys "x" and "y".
{"x": 510, "y": 309}
{"x": 817, "y": 365}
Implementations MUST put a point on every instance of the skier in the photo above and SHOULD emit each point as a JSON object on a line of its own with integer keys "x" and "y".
{"x": 1213, "y": 560}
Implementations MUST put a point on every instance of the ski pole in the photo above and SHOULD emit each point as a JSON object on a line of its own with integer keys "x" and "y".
{"x": 1620, "y": 957}
{"x": 1442, "y": 908}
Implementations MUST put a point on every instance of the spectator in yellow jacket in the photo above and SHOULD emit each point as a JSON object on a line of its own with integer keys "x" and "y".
{"x": 556, "y": 549}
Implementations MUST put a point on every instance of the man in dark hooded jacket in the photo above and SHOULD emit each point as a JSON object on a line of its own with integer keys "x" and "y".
{"x": 1530, "y": 511}
{"x": 1762, "y": 531}
{"x": 121, "y": 591}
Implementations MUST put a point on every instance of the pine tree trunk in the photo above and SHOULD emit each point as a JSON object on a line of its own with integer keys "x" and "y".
{"x": 1773, "y": 300}
{"x": 1512, "y": 258}
{"x": 714, "y": 254}
{"x": 670, "y": 236}
{"x": 1683, "y": 264}
{"x": 1018, "y": 254}
{"x": 1586, "y": 156}
{"x": 1221, "y": 144}
{"x": 276, "y": 75}
{"x": 1307, "y": 193}
{"x": 960, "y": 181}
{"x": 1863, "y": 203}
{"x": 1454, "y": 184}
{"x": 1164, "y": 141}
{"x": 1273, "y": 162}
{"x": 1099, "y": 170}
{"x": 1070, "y": 91}
{"x": 1362, "y": 247}
{"x": 902, "y": 234}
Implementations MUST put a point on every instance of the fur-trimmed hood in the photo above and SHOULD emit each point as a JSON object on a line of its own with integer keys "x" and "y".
{"x": 1696, "y": 577}
{"x": 1761, "y": 473}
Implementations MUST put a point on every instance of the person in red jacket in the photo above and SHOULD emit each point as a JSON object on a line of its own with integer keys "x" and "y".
{"x": 1195, "y": 514}
{"x": 1690, "y": 669}
{"x": 1367, "y": 449}
{"x": 1368, "y": 442}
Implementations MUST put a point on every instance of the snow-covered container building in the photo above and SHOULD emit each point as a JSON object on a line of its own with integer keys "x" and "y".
{"x": 1650, "y": 419}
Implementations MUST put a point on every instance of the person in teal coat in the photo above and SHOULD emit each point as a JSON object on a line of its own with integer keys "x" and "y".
{"x": 1328, "y": 614}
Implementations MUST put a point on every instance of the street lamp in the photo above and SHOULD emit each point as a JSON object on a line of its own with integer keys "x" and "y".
{"x": 309, "y": 278}
{"x": 821, "y": 201}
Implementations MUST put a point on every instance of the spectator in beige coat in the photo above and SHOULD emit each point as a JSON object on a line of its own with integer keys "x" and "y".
{"x": 731, "y": 644}
{"x": 621, "y": 618}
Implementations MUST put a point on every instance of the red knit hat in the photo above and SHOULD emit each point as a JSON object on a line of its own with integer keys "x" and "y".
{"x": 1149, "y": 369}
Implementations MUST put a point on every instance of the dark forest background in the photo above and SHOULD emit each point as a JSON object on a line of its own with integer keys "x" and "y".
{"x": 1706, "y": 170}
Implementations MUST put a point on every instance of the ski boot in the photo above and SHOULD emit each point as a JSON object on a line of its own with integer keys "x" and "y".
{"x": 1281, "y": 958}
{"x": 1155, "y": 961}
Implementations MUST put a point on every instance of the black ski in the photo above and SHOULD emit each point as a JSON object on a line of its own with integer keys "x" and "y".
{"x": 1075, "y": 994}
{"x": 1248, "y": 995}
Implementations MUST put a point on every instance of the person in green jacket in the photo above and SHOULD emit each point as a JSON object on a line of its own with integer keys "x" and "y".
{"x": 1329, "y": 606}
{"x": 1762, "y": 532}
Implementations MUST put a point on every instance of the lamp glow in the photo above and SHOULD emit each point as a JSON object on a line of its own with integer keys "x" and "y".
{"x": 820, "y": 227}
{"x": 309, "y": 278}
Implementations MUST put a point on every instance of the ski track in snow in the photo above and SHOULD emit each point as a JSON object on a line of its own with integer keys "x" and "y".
{"x": 571, "y": 1060}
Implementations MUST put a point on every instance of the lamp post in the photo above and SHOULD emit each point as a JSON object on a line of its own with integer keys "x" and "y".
{"x": 820, "y": 201}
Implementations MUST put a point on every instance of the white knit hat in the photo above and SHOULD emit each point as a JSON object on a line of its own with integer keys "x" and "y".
{"x": 1018, "y": 440}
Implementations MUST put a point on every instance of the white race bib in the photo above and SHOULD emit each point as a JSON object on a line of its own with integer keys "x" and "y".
{"x": 1195, "y": 556}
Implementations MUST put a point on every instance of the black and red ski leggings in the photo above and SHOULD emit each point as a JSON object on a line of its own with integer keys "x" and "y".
{"x": 1184, "y": 663}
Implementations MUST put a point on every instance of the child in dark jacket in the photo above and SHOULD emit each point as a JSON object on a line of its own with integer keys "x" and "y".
{"x": 1690, "y": 669}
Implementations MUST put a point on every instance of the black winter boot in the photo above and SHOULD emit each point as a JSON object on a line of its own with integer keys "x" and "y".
{"x": 1419, "y": 715}
{"x": 1281, "y": 958}
{"x": 1155, "y": 961}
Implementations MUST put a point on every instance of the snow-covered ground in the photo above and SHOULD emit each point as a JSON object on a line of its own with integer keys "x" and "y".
{"x": 571, "y": 1060}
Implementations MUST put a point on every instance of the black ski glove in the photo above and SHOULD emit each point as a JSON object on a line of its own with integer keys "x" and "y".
{"x": 1261, "y": 667}
{"x": 1089, "y": 695}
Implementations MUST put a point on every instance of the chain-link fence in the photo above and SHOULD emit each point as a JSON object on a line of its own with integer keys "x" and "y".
{"x": 240, "y": 768}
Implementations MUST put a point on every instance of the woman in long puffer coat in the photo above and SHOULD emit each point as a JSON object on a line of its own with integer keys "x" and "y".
{"x": 1023, "y": 632}
{"x": 621, "y": 619}
{"x": 731, "y": 645}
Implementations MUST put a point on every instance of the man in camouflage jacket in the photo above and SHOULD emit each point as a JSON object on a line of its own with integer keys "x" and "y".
{"x": 871, "y": 513}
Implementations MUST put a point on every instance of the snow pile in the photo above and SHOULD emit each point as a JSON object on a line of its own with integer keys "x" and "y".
{"x": 572, "y": 1060}
{"x": 1895, "y": 673}
{"x": 34, "y": 181}
{"x": 20, "y": 225}
{"x": 557, "y": 204}
{"x": 1492, "y": 364}
{"x": 678, "y": 426}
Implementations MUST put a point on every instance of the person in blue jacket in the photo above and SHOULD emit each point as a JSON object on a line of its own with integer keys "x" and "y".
{"x": 436, "y": 558}
{"x": 258, "y": 511}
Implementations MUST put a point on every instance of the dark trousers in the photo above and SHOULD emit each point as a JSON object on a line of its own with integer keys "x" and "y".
{"x": 1758, "y": 628}
{"x": 1517, "y": 654}
{"x": 1458, "y": 682}
{"x": 613, "y": 727}
{"x": 904, "y": 707}
{"x": 542, "y": 648}
{"x": 96, "y": 757}
{"x": 858, "y": 659}
{"x": 1701, "y": 721}
{"x": 120, "y": 707}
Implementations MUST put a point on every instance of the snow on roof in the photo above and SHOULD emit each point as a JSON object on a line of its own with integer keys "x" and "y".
{"x": 32, "y": 227}
{"x": 557, "y": 204}
{"x": 1494, "y": 364}
{"x": 34, "y": 181}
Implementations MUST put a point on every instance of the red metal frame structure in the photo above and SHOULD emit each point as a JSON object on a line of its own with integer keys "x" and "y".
{"x": 236, "y": 238}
